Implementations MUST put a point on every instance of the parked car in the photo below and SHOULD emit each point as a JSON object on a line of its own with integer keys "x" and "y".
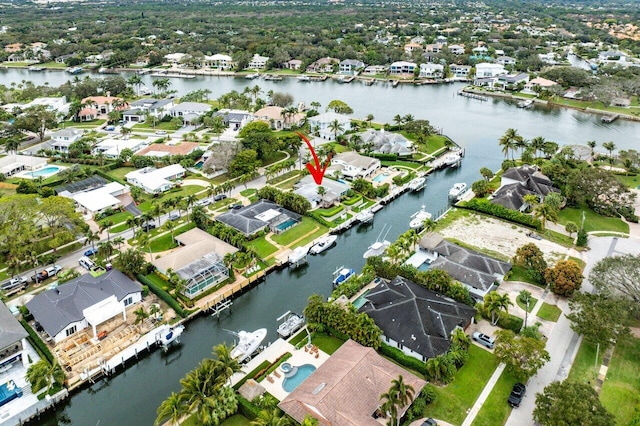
{"x": 53, "y": 270}
{"x": 533, "y": 235}
{"x": 161, "y": 132}
{"x": 203, "y": 202}
{"x": 516, "y": 395}
{"x": 14, "y": 284}
{"x": 219, "y": 197}
{"x": 429, "y": 422}
{"x": 235, "y": 206}
{"x": 92, "y": 251}
{"x": 110, "y": 128}
{"x": 148, "y": 226}
{"x": 484, "y": 340}
{"x": 174, "y": 216}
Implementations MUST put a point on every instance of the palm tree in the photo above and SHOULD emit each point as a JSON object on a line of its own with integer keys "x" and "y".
{"x": 397, "y": 119}
{"x": 91, "y": 238}
{"x": 609, "y": 146}
{"x": 428, "y": 225}
{"x": 135, "y": 81}
{"x": 106, "y": 225}
{"x": 125, "y": 131}
{"x": 226, "y": 365}
{"x": 118, "y": 241}
{"x": 173, "y": 408}
{"x": 145, "y": 241}
{"x": 509, "y": 142}
{"x": 335, "y": 126}
{"x": 271, "y": 417}
{"x": 170, "y": 226}
{"x": 44, "y": 375}
{"x": 369, "y": 119}
{"x": 546, "y": 212}
{"x": 592, "y": 146}
{"x": 399, "y": 393}
{"x": 140, "y": 314}
{"x": 495, "y": 302}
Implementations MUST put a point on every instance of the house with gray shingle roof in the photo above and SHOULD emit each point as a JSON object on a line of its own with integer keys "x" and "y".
{"x": 476, "y": 271}
{"x": 258, "y": 216}
{"x": 86, "y": 301}
{"x": 11, "y": 337}
{"x": 414, "y": 319}
{"x": 384, "y": 142}
{"x": 517, "y": 182}
{"x": 345, "y": 390}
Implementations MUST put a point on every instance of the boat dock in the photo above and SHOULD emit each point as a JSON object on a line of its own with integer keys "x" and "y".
{"x": 473, "y": 96}
{"x": 344, "y": 226}
{"x": 609, "y": 118}
{"x": 318, "y": 77}
{"x": 394, "y": 194}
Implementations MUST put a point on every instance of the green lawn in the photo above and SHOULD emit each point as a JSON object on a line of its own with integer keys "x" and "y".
{"x": 157, "y": 280}
{"x": 583, "y": 369}
{"x": 165, "y": 242}
{"x": 118, "y": 217}
{"x": 401, "y": 164}
{"x": 119, "y": 228}
{"x": 263, "y": 247}
{"x": 458, "y": 396}
{"x": 495, "y": 409}
{"x": 518, "y": 273}
{"x": 632, "y": 181}
{"x": 120, "y": 172}
{"x": 532, "y": 303}
{"x": 549, "y": 312}
{"x": 326, "y": 343}
{"x": 80, "y": 124}
{"x": 621, "y": 390}
{"x": 275, "y": 157}
{"x": 593, "y": 221}
{"x": 248, "y": 192}
{"x": 305, "y": 226}
{"x": 53, "y": 64}
{"x": 160, "y": 125}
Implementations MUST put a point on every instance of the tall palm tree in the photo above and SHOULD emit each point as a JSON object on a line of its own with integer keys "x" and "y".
{"x": 125, "y": 132}
{"x": 170, "y": 226}
{"x": 496, "y": 302}
{"x": 546, "y": 212}
{"x": 106, "y": 225}
{"x": 226, "y": 365}
{"x": 609, "y": 146}
{"x": 91, "y": 238}
{"x": 509, "y": 142}
{"x": 403, "y": 393}
{"x": 592, "y": 146}
{"x": 173, "y": 408}
{"x": 335, "y": 126}
{"x": 44, "y": 375}
{"x": 135, "y": 81}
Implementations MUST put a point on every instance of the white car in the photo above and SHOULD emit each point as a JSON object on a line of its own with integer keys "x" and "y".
{"x": 203, "y": 202}
{"x": 484, "y": 340}
{"x": 161, "y": 132}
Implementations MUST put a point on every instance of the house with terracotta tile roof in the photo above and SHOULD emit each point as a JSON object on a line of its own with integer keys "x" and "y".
{"x": 163, "y": 149}
{"x": 345, "y": 390}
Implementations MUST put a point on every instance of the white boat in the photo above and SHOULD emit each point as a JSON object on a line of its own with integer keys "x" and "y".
{"x": 167, "y": 336}
{"x": 304, "y": 78}
{"x": 252, "y": 76}
{"x": 452, "y": 160}
{"x": 418, "y": 218}
{"x": 323, "y": 244}
{"x": 144, "y": 90}
{"x": 365, "y": 216}
{"x": 292, "y": 323}
{"x": 75, "y": 70}
{"x": 341, "y": 275}
{"x": 298, "y": 256}
{"x": 248, "y": 343}
{"x": 457, "y": 190}
{"x": 381, "y": 244}
{"x": 417, "y": 184}
{"x": 525, "y": 104}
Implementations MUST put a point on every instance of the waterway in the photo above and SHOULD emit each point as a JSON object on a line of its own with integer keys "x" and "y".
{"x": 132, "y": 396}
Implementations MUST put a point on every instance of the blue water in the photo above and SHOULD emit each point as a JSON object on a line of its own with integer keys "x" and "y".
{"x": 199, "y": 164}
{"x": 47, "y": 171}
{"x": 380, "y": 177}
{"x": 294, "y": 381}
{"x": 361, "y": 300}
{"x": 423, "y": 267}
{"x": 286, "y": 225}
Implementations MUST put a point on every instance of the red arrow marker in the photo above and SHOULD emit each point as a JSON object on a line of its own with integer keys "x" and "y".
{"x": 317, "y": 172}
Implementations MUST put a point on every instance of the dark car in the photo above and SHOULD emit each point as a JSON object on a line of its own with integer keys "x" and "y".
{"x": 484, "y": 340}
{"x": 235, "y": 206}
{"x": 219, "y": 197}
{"x": 516, "y": 395}
{"x": 148, "y": 226}
{"x": 174, "y": 216}
{"x": 92, "y": 251}
{"x": 429, "y": 422}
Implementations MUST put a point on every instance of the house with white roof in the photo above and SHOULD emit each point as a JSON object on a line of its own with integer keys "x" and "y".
{"x": 506, "y": 60}
{"x": 100, "y": 199}
{"x": 174, "y": 58}
{"x": 350, "y": 66}
{"x": 487, "y": 70}
{"x": 189, "y": 111}
{"x": 402, "y": 67}
{"x": 456, "y": 49}
{"x": 538, "y": 82}
{"x": 323, "y": 124}
{"x": 83, "y": 302}
{"x": 431, "y": 70}
{"x": 16, "y": 163}
{"x": 155, "y": 181}
{"x": 353, "y": 165}
{"x": 258, "y": 62}
{"x": 334, "y": 190}
{"x": 460, "y": 71}
{"x": 61, "y": 139}
{"x": 57, "y": 105}
{"x": 111, "y": 148}
{"x": 219, "y": 62}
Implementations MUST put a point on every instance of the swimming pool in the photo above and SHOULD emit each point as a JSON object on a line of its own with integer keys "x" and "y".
{"x": 360, "y": 301}
{"x": 296, "y": 375}
{"x": 285, "y": 225}
{"x": 44, "y": 172}
{"x": 423, "y": 267}
{"x": 380, "y": 177}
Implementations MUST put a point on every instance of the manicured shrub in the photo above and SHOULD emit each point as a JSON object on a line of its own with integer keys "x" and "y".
{"x": 37, "y": 342}
{"x": 166, "y": 297}
{"x": 247, "y": 408}
{"x": 485, "y": 206}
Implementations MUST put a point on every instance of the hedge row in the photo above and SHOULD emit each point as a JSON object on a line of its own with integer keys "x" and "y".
{"x": 37, "y": 342}
{"x": 109, "y": 177}
{"x": 334, "y": 211}
{"x": 403, "y": 359}
{"x": 322, "y": 221}
{"x": 384, "y": 157}
{"x": 250, "y": 375}
{"x": 485, "y": 206}
{"x": 247, "y": 409}
{"x": 166, "y": 297}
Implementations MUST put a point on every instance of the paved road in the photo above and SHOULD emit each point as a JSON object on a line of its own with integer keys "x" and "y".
{"x": 563, "y": 343}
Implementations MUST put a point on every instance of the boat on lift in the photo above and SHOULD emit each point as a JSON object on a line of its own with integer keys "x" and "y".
{"x": 298, "y": 256}
{"x": 418, "y": 183}
{"x": 292, "y": 323}
{"x": 381, "y": 244}
{"x": 457, "y": 190}
{"x": 168, "y": 335}
{"x": 342, "y": 275}
{"x": 248, "y": 343}
{"x": 323, "y": 244}
{"x": 365, "y": 216}
{"x": 418, "y": 218}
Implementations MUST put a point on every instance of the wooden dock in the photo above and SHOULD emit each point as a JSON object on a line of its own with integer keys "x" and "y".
{"x": 394, "y": 194}
{"x": 473, "y": 96}
{"x": 609, "y": 118}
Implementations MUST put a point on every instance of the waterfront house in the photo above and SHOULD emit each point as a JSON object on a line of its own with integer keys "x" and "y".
{"x": 189, "y": 111}
{"x": 517, "y": 182}
{"x": 402, "y": 67}
{"x": 258, "y": 62}
{"x": 413, "y": 319}
{"x": 476, "y": 271}
{"x": 511, "y": 81}
{"x": 346, "y": 388}
{"x": 156, "y": 181}
{"x": 12, "y": 339}
{"x": 487, "y": 70}
{"x": 431, "y": 70}
{"x": 199, "y": 261}
{"x": 352, "y": 165}
{"x": 383, "y": 142}
{"x": 13, "y": 48}
{"x": 175, "y": 58}
{"x": 334, "y": 191}
{"x": 83, "y": 302}
{"x": 235, "y": 119}
{"x": 323, "y": 65}
{"x": 278, "y": 118}
{"x": 219, "y": 62}
{"x": 322, "y": 124}
{"x": 292, "y": 64}
{"x": 460, "y": 71}
{"x": 375, "y": 69}
{"x": 61, "y": 139}
{"x": 16, "y": 163}
{"x": 538, "y": 84}
{"x": 350, "y": 66}
{"x": 258, "y": 216}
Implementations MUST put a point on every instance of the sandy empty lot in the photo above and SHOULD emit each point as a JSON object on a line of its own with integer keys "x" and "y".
{"x": 499, "y": 237}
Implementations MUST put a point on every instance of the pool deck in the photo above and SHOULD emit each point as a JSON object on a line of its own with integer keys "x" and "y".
{"x": 271, "y": 353}
{"x": 420, "y": 257}
{"x": 28, "y": 174}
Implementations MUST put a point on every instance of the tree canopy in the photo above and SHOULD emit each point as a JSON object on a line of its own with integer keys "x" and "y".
{"x": 618, "y": 275}
{"x": 568, "y": 403}
{"x": 523, "y": 356}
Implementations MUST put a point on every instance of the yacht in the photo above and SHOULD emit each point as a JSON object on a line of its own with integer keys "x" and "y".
{"x": 248, "y": 343}
{"x": 304, "y": 78}
{"x": 341, "y": 275}
{"x": 452, "y": 160}
{"x": 381, "y": 244}
{"x": 166, "y": 336}
{"x": 418, "y": 183}
{"x": 457, "y": 190}
{"x": 323, "y": 244}
{"x": 418, "y": 218}
{"x": 298, "y": 256}
{"x": 75, "y": 70}
{"x": 365, "y": 216}
{"x": 525, "y": 104}
{"x": 292, "y": 323}
{"x": 252, "y": 76}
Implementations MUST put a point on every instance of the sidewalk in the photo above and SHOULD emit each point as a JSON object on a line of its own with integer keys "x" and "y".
{"x": 483, "y": 396}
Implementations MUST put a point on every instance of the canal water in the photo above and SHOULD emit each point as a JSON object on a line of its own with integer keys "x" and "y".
{"x": 132, "y": 396}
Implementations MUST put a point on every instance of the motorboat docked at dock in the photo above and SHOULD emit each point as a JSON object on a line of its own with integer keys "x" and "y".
{"x": 323, "y": 244}
{"x": 167, "y": 336}
{"x": 248, "y": 343}
{"x": 381, "y": 244}
{"x": 457, "y": 190}
{"x": 298, "y": 256}
{"x": 341, "y": 275}
{"x": 365, "y": 216}
{"x": 418, "y": 183}
{"x": 418, "y": 218}
{"x": 292, "y": 323}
